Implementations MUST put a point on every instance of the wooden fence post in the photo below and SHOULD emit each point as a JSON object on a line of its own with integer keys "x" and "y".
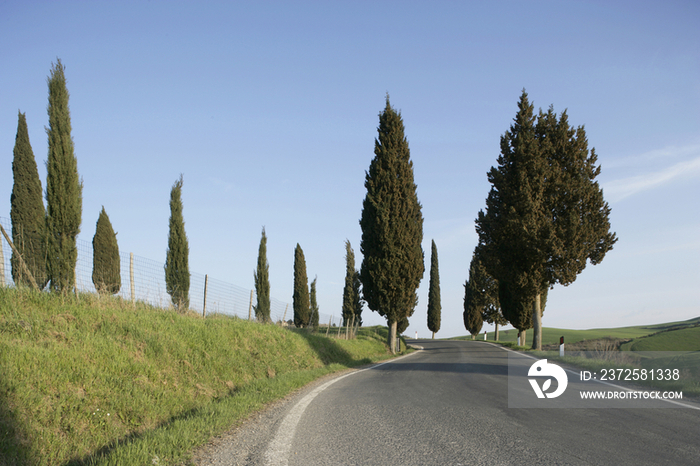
{"x": 250, "y": 306}
{"x": 131, "y": 279}
{"x": 21, "y": 260}
{"x": 204, "y": 307}
{"x": 285, "y": 312}
{"x": 352, "y": 327}
{"x": 329, "y": 325}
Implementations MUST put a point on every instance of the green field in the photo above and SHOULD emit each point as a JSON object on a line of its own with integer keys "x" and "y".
{"x": 550, "y": 336}
{"x": 91, "y": 380}
{"x": 686, "y": 339}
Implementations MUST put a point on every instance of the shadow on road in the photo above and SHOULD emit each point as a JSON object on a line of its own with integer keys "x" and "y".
{"x": 457, "y": 367}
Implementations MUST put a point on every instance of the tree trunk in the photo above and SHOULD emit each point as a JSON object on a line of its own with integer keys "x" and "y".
{"x": 433, "y": 335}
{"x": 521, "y": 337}
{"x": 496, "y": 331}
{"x": 537, "y": 323}
{"x": 392, "y": 337}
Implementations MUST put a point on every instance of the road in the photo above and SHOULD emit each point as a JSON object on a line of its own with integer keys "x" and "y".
{"x": 448, "y": 405}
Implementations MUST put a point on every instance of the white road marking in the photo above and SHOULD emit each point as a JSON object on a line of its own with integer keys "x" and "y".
{"x": 277, "y": 453}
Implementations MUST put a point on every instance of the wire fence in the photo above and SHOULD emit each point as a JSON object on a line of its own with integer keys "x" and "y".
{"x": 143, "y": 280}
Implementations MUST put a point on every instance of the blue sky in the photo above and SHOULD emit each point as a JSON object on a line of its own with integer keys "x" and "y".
{"x": 270, "y": 110}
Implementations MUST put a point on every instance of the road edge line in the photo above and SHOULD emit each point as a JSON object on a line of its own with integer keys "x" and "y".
{"x": 277, "y": 453}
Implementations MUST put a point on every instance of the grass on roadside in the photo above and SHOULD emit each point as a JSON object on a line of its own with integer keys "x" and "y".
{"x": 91, "y": 380}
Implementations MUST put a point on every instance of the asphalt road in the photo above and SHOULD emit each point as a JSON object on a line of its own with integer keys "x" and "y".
{"x": 448, "y": 405}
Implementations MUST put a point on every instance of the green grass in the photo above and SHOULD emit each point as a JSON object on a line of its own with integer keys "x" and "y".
{"x": 686, "y": 339}
{"x": 95, "y": 381}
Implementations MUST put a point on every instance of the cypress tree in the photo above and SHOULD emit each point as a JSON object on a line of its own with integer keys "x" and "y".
{"x": 402, "y": 325}
{"x": 392, "y": 227}
{"x": 27, "y": 211}
{"x": 434, "y": 306}
{"x": 545, "y": 214}
{"x": 352, "y": 291}
{"x": 262, "y": 282}
{"x": 177, "y": 272}
{"x": 64, "y": 189}
{"x": 358, "y": 302}
{"x": 313, "y": 306}
{"x": 488, "y": 290}
{"x": 301, "y": 290}
{"x": 106, "y": 275}
{"x": 473, "y": 320}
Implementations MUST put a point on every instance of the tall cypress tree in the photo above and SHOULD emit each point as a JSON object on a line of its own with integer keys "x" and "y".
{"x": 313, "y": 305}
{"x": 392, "y": 227}
{"x": 177, "y": 272}
{"x": 27, "y": 211}
{"x": 262, "y": 282}
{"x": 352, "y": 291}
{"x": 106, "y": 274}
{"x": 434, "y": 306}
{"x": 64, "y": 189}
{"x": 545, "y": 214}
{"x": 301, "y": 290}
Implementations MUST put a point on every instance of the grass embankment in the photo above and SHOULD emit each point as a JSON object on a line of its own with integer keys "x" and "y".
{"x": 95, "y": 381}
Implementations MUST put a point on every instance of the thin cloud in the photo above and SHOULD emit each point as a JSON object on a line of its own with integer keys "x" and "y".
{"x": 666, "y": 153}
{"x": 623, "y": 188}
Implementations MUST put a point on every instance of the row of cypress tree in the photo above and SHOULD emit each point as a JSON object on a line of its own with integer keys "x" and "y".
{"x": 545, "y": 219}
{"x": 44, "y": 239}
{"x": 304, "y": 302}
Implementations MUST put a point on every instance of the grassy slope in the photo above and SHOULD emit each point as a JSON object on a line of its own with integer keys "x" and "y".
{"x": 89, "y": 381}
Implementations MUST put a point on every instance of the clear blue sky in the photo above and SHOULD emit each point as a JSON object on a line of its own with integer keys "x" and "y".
{"x": 270, "y": 110}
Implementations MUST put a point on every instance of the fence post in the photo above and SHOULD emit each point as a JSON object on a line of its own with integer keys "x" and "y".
{"x": 250, "y": 306}
{"x": 329, "y": 325}
{"x": 204, "y": 307}
{"x": 131, "y": 278}
{"x": 285, "y": 313}
{"x": 21, "y": 261}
